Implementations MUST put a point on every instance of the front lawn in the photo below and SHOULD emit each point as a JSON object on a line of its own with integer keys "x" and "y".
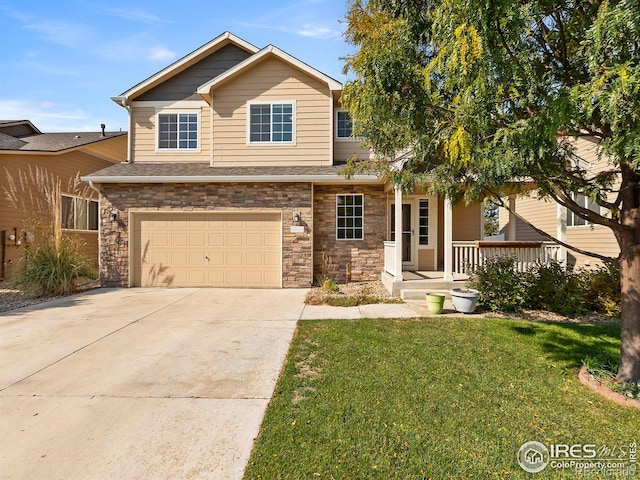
{"x": 433, "y": 398}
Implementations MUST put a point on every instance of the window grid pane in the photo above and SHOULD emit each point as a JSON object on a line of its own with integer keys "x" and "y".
{"x": 423, "y": 234}
{"x": 67, "y": 205}
{"x": 271, "y": 123}
{"x": 345, "y": 125}
{"x": 178, "y": 131}
{"x": 350, "y": 217}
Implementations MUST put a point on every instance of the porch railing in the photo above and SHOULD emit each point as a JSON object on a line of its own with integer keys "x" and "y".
{"x": 390, "y": 257}
{"x": 469, "y": 255}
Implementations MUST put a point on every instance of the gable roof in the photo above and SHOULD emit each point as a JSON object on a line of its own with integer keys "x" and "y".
{"x": 184, "y": 63}
{"x": 53, "y": 142}
{"x": 11, "y": 127}
{"x": 269, "y": 51}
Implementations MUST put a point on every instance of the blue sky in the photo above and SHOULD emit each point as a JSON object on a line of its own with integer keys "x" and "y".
{"x": 62, "y": 60}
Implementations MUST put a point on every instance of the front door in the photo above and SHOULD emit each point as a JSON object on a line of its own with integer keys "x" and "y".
{"x": 407, "y": 234}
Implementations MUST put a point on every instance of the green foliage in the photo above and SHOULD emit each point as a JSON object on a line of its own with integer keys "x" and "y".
{"x": 501, "y": 287}
{"x": 547, "y": 286}
{"x": 52, "y": 268}
{"x": 604, "y": 369}
{"x": 601, "y": 288}
{"x": 330, "y": 285}
{"x": 555, "y": 288}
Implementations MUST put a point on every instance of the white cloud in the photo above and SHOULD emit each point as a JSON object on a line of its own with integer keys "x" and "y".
{"x": 136, "y": 15}
{"x": 46, "y": 115}
{"x": 161, "y": 53}
{"x": 318, "y": 31}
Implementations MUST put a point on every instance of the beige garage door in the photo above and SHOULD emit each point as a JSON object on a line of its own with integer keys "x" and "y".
{"x": 207, "y": 249}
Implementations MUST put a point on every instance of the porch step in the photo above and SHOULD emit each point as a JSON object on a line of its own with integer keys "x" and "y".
{"x": 420, "y": 293}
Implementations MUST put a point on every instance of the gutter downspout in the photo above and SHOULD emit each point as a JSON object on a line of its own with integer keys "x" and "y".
{"x": 129, "y": 142}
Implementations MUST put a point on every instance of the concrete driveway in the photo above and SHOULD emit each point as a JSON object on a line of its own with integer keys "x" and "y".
{"x": 140, "y": 383}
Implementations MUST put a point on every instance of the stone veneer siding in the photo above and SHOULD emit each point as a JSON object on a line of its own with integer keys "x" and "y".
{"x": 204, "y": 197}
{"x": 366, "y": 256}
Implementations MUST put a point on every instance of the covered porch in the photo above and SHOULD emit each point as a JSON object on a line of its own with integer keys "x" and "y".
{"x": 440, "y": 244}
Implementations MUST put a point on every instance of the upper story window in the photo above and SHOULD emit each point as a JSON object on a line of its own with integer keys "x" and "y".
{"x": 271, "y": 122}
{"x": 574, "y": 220}
{"x": 344, "y": 125}
{"x": 350, "y": 217}
{"x": 79, "y": 213}
{"x": 178, "y": 131}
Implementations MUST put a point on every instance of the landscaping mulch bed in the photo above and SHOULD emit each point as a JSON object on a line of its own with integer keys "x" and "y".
{"x": 367, "y": 292}
{"x": 12, "y": 298}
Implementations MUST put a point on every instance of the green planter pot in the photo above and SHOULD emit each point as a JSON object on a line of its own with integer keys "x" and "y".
{"x": 435, "y": 302}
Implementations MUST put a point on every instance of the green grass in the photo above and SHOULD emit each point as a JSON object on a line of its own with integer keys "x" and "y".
{"x": 433, "y": 398}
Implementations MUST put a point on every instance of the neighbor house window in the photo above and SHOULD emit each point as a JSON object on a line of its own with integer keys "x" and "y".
{"x": 79, "y": 213}
{"x": 177, "y": 131}
{"x": 350, "y": 217}
{"x": 271, "y": 122}
{"x": 574, "y": 220}
{"x": 344, "y": 124}
{"x": 423, "y": 222}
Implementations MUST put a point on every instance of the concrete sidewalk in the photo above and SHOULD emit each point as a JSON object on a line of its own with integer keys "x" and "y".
{"x": 409, "y": 309}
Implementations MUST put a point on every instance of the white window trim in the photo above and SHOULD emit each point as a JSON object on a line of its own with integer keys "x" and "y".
{"x": 336, "y": 217}
{"x": 351, "y": 138}
{"x": 76, "y": 197}
{"x": 173, "y": 151}
{"x": 292, "y": 143}
{"x": 572, "y": 215}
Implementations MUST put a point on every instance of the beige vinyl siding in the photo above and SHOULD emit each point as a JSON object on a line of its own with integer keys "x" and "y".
{"x": 467, "y": 222}
{"x": 272, "y": 80}
{"x": 345, "y": 149}
{"x": 144, "y": 135}
{"x": 114, "y": 150}
{"x": 183, "y": 86}
{"x": 66, "y": 166}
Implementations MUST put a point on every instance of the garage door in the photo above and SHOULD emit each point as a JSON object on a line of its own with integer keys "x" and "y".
{"x": 207, "y": 249}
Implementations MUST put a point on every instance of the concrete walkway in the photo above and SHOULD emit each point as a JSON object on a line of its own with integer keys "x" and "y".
{"x": 148, "y": 383}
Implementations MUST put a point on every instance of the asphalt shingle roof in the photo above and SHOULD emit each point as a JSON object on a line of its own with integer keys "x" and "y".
{"x": 55, "y": 142}
{"x": 175, "y": 171}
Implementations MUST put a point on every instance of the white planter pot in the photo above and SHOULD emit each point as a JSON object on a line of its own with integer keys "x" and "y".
{"x": 464, "y": 299}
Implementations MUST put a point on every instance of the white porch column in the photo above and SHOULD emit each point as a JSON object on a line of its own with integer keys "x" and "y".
{"x": 561, "y": 232}
{"x": 398, "y": 229}
{"x": 448, "y": 240}
{"x": 512, "y": 218}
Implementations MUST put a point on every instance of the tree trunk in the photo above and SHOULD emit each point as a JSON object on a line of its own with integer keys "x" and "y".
{"x": 629, "y": 242}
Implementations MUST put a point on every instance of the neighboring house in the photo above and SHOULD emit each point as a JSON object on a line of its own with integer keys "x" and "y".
{"x": 560, "y": 222}
{"x": 65, "y": 155}
{"x": 233, "y": 179}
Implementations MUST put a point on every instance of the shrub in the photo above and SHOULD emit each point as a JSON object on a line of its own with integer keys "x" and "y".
{"x": 604, "y": 369}
{"x": 601, "y": 288}
{"x": 501, "y": 287}
{"x": 50, "y": 269}
{"x": 330, "y": 286}
{"x": 52, "y": 260}
{"x": 555, "y": 288}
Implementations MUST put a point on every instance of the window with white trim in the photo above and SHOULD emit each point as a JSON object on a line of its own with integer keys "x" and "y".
{"x": 423, "y": 222}
{"x": 344, "y": 125}
{"x": 350, "y": 217}
{"x": 574, "y": 220}
{"x": 178, "y": 131}
{"x": 79, "y": 213}
{"x": 271, "y": 122}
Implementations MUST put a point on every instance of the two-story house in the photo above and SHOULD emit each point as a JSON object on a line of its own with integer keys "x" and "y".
{"x": 232, "y": 179}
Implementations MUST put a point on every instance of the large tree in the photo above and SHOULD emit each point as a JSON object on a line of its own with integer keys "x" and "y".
{"x": 488, "y": 92}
